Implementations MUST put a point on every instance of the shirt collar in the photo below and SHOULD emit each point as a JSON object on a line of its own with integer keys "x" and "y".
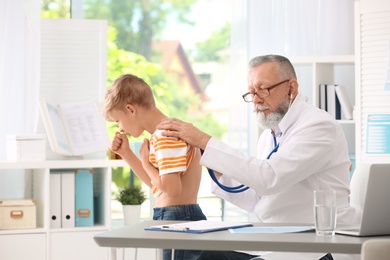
{"x": 276, "y": 131}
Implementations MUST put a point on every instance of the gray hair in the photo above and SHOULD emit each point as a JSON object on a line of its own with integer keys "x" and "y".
{"x": 284, "y": 68}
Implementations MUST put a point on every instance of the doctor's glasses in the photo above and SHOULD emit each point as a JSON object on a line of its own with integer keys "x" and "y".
{"x": 261, "y": 93}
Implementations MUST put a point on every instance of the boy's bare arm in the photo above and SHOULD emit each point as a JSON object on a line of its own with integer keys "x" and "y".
{"x": 120, "y": 146}
{"x": 169, "y": 183}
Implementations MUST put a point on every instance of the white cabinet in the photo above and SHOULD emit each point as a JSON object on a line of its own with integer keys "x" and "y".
{"x": 316, "y": 70}
{"x": 23, "y": 246}
{"x": 76, "y": 244}
{"x": 49, "y": 243}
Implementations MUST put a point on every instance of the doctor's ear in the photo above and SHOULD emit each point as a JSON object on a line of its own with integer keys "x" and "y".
{"x": 293, "y": 88}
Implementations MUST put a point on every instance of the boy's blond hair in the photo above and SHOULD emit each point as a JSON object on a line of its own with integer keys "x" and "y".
{"x": 128, "y": 89}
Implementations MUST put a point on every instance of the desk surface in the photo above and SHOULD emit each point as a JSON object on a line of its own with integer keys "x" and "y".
{"x": 135, "y": 236}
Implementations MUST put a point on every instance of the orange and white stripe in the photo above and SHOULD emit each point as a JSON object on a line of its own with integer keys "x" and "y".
{"x": 169, "y": 155}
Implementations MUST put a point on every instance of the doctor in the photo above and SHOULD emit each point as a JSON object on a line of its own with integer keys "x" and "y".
{"x": 301, "y": 149}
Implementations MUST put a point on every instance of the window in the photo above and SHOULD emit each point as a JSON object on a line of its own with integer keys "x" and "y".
{"x": 182, "y": 55}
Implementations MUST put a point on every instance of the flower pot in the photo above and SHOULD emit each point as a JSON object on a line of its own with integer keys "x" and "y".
{"x": 131, "y": 214}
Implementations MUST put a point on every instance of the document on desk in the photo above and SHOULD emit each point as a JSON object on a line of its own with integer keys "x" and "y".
{"x": 272, "y": 230}
{"x": 198, "y": 227}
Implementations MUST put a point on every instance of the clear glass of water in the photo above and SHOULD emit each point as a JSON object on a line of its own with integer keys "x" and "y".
{"x": 325, "y": 212}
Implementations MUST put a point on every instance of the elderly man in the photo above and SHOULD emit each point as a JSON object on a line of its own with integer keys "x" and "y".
{"x": 301, "y": 149}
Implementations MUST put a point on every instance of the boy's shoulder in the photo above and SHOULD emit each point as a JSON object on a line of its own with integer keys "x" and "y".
{"x": 158, "y": 135}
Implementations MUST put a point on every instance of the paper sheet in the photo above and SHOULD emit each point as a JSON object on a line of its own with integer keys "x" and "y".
{"x": 273, "y": 230}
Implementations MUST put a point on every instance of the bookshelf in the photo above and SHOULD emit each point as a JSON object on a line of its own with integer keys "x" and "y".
{"x": 44, "y": 242}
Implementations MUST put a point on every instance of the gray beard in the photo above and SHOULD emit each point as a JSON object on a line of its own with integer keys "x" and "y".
{"x": 274, "y": 118}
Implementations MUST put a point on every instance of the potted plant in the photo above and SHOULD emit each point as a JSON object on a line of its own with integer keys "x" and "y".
{"x": 131, "y": 198}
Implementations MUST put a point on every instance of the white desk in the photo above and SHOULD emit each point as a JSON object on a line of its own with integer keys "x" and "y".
{"x": 136, "y": 236}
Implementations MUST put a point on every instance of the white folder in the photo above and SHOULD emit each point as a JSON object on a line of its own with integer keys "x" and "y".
{"x": 55, "y": 200}
{"x": 68, "y": 199}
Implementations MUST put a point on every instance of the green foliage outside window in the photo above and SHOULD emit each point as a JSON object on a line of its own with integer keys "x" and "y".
{"x": 139, "y": 22}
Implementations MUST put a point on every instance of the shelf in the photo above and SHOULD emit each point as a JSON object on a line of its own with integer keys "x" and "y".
{"x": 22, "y": 231}
{"x": 63, "y": 164}
{"x": 38, "y": 185}
{"x": 346, "y": 122}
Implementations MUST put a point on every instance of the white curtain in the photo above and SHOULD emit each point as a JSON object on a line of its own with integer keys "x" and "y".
{"x": 239, "y": 117}
{"x": 19, "y": 67}
{"x": 19, "y": 76}
{"x": 301, "y": 27}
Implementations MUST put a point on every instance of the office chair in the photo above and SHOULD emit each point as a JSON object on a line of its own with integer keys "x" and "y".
{"x": 376, "y": 249}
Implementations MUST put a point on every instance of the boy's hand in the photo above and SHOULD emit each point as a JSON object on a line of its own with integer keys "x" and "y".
{"x": 120, "y": 144}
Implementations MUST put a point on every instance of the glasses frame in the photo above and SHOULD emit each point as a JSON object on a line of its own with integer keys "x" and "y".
{"x": 252, "y": 95}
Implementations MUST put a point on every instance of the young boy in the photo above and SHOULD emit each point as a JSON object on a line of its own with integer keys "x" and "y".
{"x": 168, "y": 165}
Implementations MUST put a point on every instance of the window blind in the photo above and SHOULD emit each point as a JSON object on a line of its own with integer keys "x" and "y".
{"x": 373, "y": 41}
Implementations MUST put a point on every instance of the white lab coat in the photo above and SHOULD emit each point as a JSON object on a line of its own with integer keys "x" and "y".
{"x": 312, "y": 155}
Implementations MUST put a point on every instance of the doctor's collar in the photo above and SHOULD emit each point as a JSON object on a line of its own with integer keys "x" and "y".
{"x": 276, "y": 131}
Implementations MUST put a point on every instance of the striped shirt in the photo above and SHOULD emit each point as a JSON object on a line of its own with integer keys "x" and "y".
{"x": 169, "y": 155}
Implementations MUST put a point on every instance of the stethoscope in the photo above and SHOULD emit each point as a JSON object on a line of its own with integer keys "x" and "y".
{"x": 242, "y": 187}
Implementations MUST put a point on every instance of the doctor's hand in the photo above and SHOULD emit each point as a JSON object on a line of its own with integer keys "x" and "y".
{"x": 120, "y": 144}
{"x": 185, "y": 131}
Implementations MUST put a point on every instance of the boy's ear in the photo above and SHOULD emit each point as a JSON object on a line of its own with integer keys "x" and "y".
{"x": 130, "y": 108}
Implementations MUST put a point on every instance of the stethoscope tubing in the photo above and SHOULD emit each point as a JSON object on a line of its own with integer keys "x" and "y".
{"x": 242, "y": 187}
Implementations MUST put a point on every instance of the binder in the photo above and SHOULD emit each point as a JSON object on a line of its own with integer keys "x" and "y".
{"x": 67, "y": 199}
{"x": 333, "y": 103}
{"x": 84, "y": 198}
{"x": 323, "y": 101}
{"x": 345, "y": 103}
{"x": 55, "y": 200}
{"x": 198, "y": 227}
